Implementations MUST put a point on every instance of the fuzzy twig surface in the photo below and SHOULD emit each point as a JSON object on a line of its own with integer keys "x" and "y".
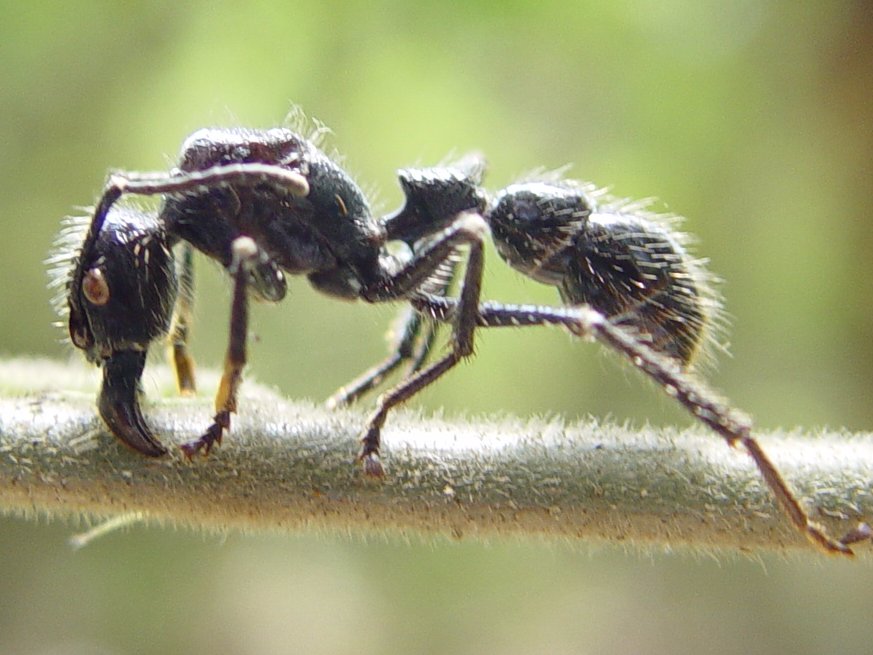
{"x": 288, "y": 466}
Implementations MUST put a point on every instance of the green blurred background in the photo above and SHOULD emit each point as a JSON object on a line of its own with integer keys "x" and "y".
{"x": 753, "y": 119}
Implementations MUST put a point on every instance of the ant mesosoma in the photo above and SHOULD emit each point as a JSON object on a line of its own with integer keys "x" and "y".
{"x": 265, "y": 203}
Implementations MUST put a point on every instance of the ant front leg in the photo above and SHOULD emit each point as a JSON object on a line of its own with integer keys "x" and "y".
{"x": 246, "y": 255}
{"x": 701, "y": 401}
{"x": 469, "y": 229}
{"x": 153, "y": 184}
{"x": 180, "y": 356}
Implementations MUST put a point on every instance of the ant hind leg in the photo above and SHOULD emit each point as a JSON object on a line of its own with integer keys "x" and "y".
{"x": 700, "y": 401}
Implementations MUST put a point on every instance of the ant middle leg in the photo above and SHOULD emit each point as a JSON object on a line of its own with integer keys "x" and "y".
{"x": 414, "y": 336}
{"x": 470, "y": 229}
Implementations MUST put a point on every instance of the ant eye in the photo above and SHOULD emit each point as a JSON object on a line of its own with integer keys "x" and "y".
{"x": 95, "y": 288}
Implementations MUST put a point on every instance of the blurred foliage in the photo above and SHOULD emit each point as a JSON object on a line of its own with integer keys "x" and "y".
{"x": 752, "y": 118}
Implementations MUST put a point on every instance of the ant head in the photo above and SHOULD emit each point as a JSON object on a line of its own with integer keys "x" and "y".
{"x": 120, "y": 296}
{"x": 122, "y": 287}
{"x": 531, "y": 222}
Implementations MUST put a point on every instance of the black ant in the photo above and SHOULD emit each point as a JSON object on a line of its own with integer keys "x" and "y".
{"x": 265, "y": 203}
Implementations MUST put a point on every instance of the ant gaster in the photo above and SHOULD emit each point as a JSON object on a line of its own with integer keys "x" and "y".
{"x": 266, "y": 203}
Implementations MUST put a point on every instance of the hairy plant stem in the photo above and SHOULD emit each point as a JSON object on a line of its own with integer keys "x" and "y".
{"x": 288, "y": 466}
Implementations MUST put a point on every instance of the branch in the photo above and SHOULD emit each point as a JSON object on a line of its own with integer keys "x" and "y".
{"x": 287, "y": 466}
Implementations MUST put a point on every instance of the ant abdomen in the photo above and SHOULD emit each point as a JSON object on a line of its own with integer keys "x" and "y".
{"x": 612, "y": 255}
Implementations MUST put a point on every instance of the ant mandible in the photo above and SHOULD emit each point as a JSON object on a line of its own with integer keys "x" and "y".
{"x": 265, "y": 203}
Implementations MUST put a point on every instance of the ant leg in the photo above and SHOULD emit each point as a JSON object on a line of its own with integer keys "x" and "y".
{"x": 183, "y": 363}
{"x": 423, "y": 348}
{"x": 245, "y": 255}
{"x": 405, "y": 348}
{"x": 414, "y": 336}
{"x": 695, "y": 396}
{"x": 704, "y": 405}
{"x": 463, "y": 328}
{"x": 439, "y": 284}
{"x": 248, "y": 174}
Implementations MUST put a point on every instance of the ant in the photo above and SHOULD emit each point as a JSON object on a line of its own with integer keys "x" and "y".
{"x": 266, "y": 203}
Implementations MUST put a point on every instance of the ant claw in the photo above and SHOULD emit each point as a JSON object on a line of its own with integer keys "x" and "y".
{"x": 369, "y": 455}
{"x": 372, "y": 466}
{"x": 212, "y": 436}
{"x": 862, "y": 532}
